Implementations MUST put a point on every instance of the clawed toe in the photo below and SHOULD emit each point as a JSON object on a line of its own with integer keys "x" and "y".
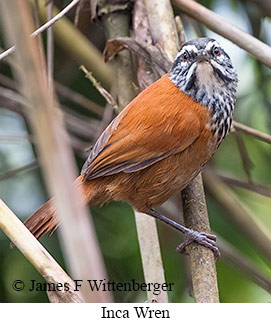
{"x": 208, "y": 235}
{"x": 205, "y": 239}
{"x": 182, "y": 248}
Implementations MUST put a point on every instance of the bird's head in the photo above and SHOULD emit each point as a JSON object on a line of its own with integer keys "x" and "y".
{"x": 202, "y": 69}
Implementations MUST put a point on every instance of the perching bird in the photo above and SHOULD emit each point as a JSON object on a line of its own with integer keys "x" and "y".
{"x": 160, "y": 142}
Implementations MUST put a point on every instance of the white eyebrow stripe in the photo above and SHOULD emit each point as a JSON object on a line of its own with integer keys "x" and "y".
{"x": 189, "y": 48}
{"x": 211, "y": 44}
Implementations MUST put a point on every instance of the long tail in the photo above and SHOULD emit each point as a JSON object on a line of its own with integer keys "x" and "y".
{"x": 44, "y": 220}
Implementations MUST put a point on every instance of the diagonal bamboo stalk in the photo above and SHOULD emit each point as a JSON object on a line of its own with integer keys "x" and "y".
{"x": 238, "y": 213}
{"x": 37, "y": 255}
{"x": 244, "y": 264}
{"x": 77, "y": 235}
{"x": 253, "y": 187}
{"x": 252, "y": 132}
{"x": 14, "y": 172}
{"x": 42, "y": 28}
{"x": 84, "y": 51}
{"x": 219, "y": 25}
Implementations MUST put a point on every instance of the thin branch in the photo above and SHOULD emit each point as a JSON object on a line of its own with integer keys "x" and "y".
{"x": 216, "y": 23}
{"x": 50, "y": 48}
{"x": 78, "y": 238}
{"x": 252, "y": 132}
{"x": 84, "y": 51}
{"x": 19, "y": 170}
{"x": 244, "y": 264}
{"x": 11, "y": 95}
{"x": 61, "y": 89}
{"x": 198, "y": 28}
{"x": 202, "y": 262}
{"x": 15, "y": 138}
{"x": 108, "y": 97}
{"x": 81, "y": 126}
{"x": 246, "y": 161}
{"x": 256, "y": 188}
{"x": 203, "y": 270}
{"x": 61, "y": 14}
{"x": 77, "y": 12}
{"x": 42, "y": 28}
{"x": 117, "y": 24}
{"x": 238, "y": 213}
{"x": 79, "y": 99}
{"x": 37, "y": 255}
{"x": 180, "y": 30}
{"x": 7, "y": 82}
{"x": 263, "y": 5}
{"x": 107, "y": 118}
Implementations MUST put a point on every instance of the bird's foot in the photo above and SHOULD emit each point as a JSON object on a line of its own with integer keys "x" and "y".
{"x": 205, "y": 239}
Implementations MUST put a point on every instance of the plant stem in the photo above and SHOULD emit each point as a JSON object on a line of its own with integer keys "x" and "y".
{"x": 219, "y": 25}
{"x": 77, "y": 235}
{"x": 203, "y": 270}
{"x": 117, "y": 25}
{"x": 37, "y": 254}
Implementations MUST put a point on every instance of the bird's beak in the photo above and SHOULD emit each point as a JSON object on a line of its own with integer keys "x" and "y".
{"x": 203, "y": 56}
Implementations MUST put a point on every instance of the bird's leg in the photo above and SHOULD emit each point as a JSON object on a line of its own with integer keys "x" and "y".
{"x": 206, "y": 239}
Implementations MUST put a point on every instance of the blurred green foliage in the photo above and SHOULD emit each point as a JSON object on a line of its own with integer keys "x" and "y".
{"x": 114, "y": 222}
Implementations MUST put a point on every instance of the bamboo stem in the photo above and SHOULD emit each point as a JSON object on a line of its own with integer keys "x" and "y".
{"x": 252, "y": 132}
{"x": 42, "y": 28}
{"x": 203, "y": 268}
{"x": 238, "y": 213}
{"x": 117, "y": 25}
{"x": 163, "y": 26}
{"x": 84, "y": 52}
{"x": 37, "y": 255}
{"x": 244, "y": 264}
{"x": 78, "y": 238}
{"x": 216, "y": 23}
{"x": 150, "y": 254}
{"x": 256, "y": 188}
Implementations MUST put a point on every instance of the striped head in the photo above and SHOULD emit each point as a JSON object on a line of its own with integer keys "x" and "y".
{"x": 204, "y": 71}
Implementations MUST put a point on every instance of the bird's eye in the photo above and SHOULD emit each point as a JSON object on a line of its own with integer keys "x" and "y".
{"x": 216, "y": 51}
{"x": 185, "y": 56}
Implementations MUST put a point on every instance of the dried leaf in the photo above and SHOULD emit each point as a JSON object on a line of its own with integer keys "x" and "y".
{"x": 112, "y": 48}
{"x": 152, "y": 55}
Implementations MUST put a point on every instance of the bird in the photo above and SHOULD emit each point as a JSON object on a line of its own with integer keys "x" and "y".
{"x": 160, "y": 141}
